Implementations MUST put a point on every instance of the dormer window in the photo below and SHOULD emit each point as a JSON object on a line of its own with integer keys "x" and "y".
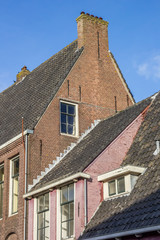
{"x": 120, "y": 181}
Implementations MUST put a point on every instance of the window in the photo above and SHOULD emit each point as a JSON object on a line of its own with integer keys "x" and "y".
{"x": 43, "y": 217}
{"x": 14, "y": 184}
{"x": 67, "y": 211}
{"x": 68, "y": 118}
{"x": 116, "y": 186}
{"x": 1, "y": 188}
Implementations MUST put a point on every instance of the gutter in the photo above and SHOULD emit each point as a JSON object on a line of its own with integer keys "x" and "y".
{"x": 126, "y": 233}
{"x": 55, "y": 184}
{"x": 28, "y": 131}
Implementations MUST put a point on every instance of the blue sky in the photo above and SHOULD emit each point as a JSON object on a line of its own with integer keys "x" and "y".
{"x": 32, "y": 31}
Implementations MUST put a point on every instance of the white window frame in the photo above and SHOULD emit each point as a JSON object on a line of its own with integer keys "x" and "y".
{"x": 11, "y": 188}
{"x": 59, "y": 237}
{"x": 76, "y": 119}
{"x": 2, "y": 182}
{"x": 35, "y": 227}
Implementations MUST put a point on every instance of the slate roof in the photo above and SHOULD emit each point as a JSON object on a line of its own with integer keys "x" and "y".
{"x": 141, "y": 209}
{"x": 30, "y": 97}
{"x": 92, "y": 144}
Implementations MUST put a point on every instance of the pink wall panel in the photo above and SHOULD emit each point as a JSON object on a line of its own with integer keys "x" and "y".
{"x": 108, "y": 160}
{"x": 53, "y": 214}
{"x": 31, "y": 219}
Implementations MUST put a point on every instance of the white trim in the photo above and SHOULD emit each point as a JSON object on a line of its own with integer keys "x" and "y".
{"x": 35, "y": 220}
{"x": 76, "y": 119}
{"x": 121, "y": 171}
{"x": 126, "y": 233}
{"x": 11, "y": 187}
{"x": 60, "y": 182}
{"x": 28, "y": 131}
{"x": 58, "y": 232}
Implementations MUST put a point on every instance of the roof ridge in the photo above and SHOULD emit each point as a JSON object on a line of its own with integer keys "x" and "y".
{"x": 62, "y": 155}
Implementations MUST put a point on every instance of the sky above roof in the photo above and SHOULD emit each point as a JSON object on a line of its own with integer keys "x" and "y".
{"x": 34, "y": 30}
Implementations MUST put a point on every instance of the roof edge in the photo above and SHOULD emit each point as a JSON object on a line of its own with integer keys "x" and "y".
{"x": 62, "y": 181}
{"x": 126, "y": 233}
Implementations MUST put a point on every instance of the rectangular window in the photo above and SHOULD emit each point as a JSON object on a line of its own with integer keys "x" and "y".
{"x": 68, "y": 118}
{"x": 1, "y": 189}
{"x": 67, "y": 211}
{"x": 43, "y": 217}
{"x": 14, "y": 184}
{"x": 116, "y": 186}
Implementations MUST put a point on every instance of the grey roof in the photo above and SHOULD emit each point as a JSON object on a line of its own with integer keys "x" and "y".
{"x": 92, "y": 144}
{"x": 30, "y": 97}
{"x": 141, "y": 209}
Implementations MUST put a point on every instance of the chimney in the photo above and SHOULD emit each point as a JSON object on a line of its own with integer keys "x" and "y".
{"x": 92, "y": 33}
{"x": 21, "y": 75}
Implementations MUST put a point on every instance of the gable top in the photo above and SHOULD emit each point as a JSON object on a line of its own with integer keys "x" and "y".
{"x": 138, "y": 212}
{"x": 92, "y": 145}
{"x": 30, "y": 97}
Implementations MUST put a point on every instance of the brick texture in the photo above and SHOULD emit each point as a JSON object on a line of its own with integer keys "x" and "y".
{"x": 94, "y": 82}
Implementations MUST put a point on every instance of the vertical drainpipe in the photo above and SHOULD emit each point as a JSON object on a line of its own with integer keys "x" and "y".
{"x": 25, "y": 190}
{"x": 85, "y": 202}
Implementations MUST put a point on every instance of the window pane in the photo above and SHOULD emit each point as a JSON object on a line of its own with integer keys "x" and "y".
{"x": 121, "y": 185}
{"x": 63, "y": 108}
{"x": 64, "y": 194}
{"x": 1, "y": 199}
{"x": 63, "y": 118}
{"x": 71, "y": 212}
{"x": 2, "y": 174}
{"x": 40, "y": 220}
{"x": 71, "y": 192}
{"x": 65, "y": 212}
{"x": 71, "y": 120}
{"x": 41, "y": 203}
{"x": 41, "y": 234}
{"x": 46, "y": 233}
{"x": 133, "y": 180}
{"x": 71, "y": 109}
{"x": 71, "y": 228}
{"x": 15, "y": 195}
{"x": 15, "y": 167}
{"x": 63, "y": 128}
{"x": 47, "y": 201}
{"x": 46, "y": 220}
{"x": 70, "y": 129}
{"x": 112, "y": 188}
{"x": 65, "y": 230}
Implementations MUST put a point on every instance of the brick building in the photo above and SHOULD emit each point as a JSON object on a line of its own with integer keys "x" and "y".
{"x": 48, "y": 109}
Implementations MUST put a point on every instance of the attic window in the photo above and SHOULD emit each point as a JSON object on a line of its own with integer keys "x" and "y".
{"x": 120, "y": 181}
{"x": 69, "y": 118}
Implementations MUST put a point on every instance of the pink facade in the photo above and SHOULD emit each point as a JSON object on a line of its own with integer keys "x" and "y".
{"x": 31, "y": 219}
{"x": 109, "y": 159}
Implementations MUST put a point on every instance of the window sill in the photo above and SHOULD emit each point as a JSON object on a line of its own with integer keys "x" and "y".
{"x": 73, "y": 136}
{"x": 10, "y": 215}
{"x": 117, "y": 195}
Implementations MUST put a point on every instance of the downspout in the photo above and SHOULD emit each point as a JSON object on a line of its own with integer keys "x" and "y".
{"x": 26, "y": 175}
{"x": 25, "y": 187}
{"x": 85, "y": 202}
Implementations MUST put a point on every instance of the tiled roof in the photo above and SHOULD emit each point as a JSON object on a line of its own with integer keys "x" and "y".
{"x": 92, "y": 144}
{"x": 141, "y": 209}
{"x": 30, "y": 97}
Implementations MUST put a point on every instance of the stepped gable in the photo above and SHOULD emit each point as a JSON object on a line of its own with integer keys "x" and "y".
{"x": 140, "y": 209}
{"x": 30, "y": 97}
{"x": 92, "y": 144}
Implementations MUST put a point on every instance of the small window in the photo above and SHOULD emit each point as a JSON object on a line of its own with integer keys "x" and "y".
{"x": 116, "y": 186}
{"x": 43, "y": 217}
{"x": 14, "y": 184}
{"x": 67, "y": 211}
{"x": 68, "y": 118}
{"x": 1, "y": 189}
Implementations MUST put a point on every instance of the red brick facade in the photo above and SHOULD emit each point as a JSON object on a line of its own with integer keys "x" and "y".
{"x": 95, "y": 84}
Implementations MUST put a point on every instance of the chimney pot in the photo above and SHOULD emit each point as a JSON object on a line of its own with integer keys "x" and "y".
{"x": 88, "y": 14}
{"x": 82, "y": 12}
{"x": 101, "y": 18}
{"x": 96, "y": 17}
{"x": 92, "y": 15}
{"x": 21, "y": 75}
